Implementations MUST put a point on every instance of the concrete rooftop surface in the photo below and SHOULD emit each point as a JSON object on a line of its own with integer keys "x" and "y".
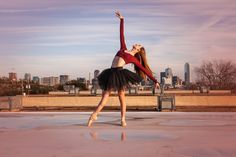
{"x": 148, "y": 134}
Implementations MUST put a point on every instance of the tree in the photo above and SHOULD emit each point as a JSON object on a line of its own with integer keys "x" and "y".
{"x": 77, "y": 83}
{"x": 217, "y": 74}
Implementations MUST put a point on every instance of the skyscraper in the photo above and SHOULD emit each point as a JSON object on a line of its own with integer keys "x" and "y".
{"x": 27, "y": 77}
{"x": 187, "y": 73}
{"x": 169, "y": 75}
{"x": 166, "y": 77}
{"x": 169, "y": 72}
{"x": 96, "y": 73}
{"x": 95, "y": 80}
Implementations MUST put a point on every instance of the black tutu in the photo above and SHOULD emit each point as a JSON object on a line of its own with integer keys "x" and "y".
{"x": 117, "y": 79}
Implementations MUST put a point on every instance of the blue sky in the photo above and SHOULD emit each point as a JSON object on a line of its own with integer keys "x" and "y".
{"x": 74, "y": 37}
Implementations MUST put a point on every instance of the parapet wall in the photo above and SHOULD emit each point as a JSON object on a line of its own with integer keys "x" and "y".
{"x": 205, "y": 100}
{"x": 87, "y": 101}
{"x": 12, "y": 103}
{"x": 137, "y": 101}
{"x": 130, "y": 101}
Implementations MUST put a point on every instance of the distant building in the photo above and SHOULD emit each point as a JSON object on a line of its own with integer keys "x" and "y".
{"x": 162, "y": 77}
{"x": 168, "y": 81}
{"x": 36, "y": 79}
{"x": 95, "y": 80}
{"x": 12, "y": 76}
{"x": 177, "y": 82}
{"x": 187, "y": 73}
{"x": 49, "y": 81}
{"x": 166, "y": 78}
{"x": 27, "y": 77}
{"x": 64, "y": 79}
{"x": 96, "y": 73}
{"x": 168, "y": 72}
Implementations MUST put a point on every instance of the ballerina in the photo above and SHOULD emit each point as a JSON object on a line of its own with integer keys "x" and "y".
{"x": 118, "y": 79}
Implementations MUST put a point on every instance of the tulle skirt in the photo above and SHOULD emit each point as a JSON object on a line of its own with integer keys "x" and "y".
{"x": 117, "y": 79}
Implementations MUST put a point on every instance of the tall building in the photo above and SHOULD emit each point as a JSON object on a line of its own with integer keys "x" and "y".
{"x": 169, "y": 75}
{"x": 27, "y": 77}
{"x": 49, "y": 81}
{"x": 96, "y": 73}
{"x": 168, "y": 72}
{"x": 187, "y": 73}
{"x": 12, "y": 76}
{"x": 162, "y": 77}
{"x": 95, "y": 79}
{"x": 64, "y": 79}
{"x": 166, "y": 77}
{"x": 36, "y": 79}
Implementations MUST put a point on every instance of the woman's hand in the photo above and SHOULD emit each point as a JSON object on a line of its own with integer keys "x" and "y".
{"x": 119, "y": 15}
{"x": 157, "y": 85}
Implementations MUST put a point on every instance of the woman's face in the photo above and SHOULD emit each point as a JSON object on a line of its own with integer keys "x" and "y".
{"x": 137, "y": 47}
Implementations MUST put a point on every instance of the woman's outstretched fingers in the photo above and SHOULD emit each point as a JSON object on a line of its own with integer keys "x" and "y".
{"x": 157, "y": 85}
{"x": 118, "y": 14}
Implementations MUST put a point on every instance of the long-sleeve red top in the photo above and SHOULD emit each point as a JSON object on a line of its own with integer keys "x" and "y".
{"x": 128, "y": 58}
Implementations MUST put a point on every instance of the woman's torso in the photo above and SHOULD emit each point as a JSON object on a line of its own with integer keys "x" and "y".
{"x": 117, "y": 62}
{"x": 120, "y": 58}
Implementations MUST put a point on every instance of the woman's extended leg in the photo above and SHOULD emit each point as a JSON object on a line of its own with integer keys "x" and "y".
{"x": 101, "y": 104}
{"x": 121, "y": 94}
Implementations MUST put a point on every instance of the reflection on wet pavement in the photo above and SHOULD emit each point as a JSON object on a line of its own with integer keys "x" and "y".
{"x": 95, "y": 136}
{"x": 130, "y": 135}
{"x": 152, "y": 134}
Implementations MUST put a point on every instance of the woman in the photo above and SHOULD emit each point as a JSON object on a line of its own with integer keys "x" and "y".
{"x": 117, "y": 78}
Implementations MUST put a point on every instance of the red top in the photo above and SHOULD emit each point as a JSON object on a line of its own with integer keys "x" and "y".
{"x": 128, "y": 58}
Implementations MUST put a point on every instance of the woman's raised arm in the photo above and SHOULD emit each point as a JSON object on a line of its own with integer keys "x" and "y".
{"x": 122, "y": 37}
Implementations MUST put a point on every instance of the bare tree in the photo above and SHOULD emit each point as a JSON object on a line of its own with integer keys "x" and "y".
{"x": 217, "y": 74}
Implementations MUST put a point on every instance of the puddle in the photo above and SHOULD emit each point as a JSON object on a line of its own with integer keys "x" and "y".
{"x": 128, "y": 136}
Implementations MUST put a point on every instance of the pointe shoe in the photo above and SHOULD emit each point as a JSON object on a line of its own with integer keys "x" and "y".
{"x": 123, "y": 123}
{"x": 91, "y": 119}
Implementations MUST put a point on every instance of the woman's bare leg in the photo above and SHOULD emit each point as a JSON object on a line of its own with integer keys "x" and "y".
{"x": 105, "y": 96}
{"x": 121, "y": 94}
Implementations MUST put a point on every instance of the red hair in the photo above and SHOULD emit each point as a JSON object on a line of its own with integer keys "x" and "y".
{"x": 141, "y": 56}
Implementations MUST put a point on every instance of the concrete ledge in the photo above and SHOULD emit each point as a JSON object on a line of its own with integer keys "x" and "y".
{"x": 91, "y": 101}
{"x": 205, "y": 100}
{"x": 206, "y": 108}
{"x": 137, "y": 102}
{"x": 88, "y": 101}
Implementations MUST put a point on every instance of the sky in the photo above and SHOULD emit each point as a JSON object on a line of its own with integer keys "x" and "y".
{"x": 75, "y": 37}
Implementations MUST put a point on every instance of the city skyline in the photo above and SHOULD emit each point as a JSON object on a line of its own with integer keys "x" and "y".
{"x": 49, "y": 38}
{"x": 27, "y": 76}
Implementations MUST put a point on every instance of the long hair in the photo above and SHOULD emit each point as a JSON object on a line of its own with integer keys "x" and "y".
{"x": 141, "y": 56}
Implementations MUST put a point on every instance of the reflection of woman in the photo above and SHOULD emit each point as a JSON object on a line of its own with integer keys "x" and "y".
{"x": 117, "y": 78}
{"x": 94, "y": 136}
